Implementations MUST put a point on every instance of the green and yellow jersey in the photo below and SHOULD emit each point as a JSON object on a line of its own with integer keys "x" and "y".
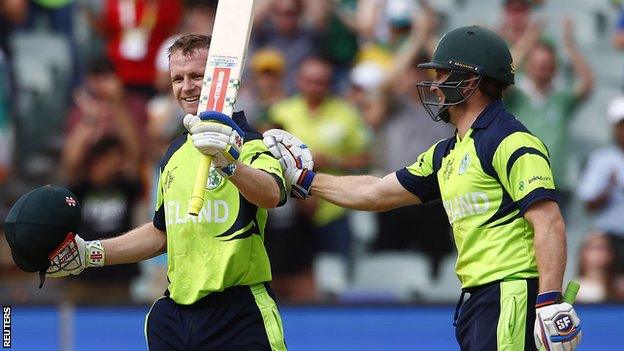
{"x": 335, "y": 128}
{"x": 224, "y": 245}
{"x": 487, "y": 181}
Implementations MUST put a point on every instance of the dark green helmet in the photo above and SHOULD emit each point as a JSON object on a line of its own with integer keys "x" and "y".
{"x": 474, "y": 49}
{"x": 38, "y": 224}
{"x": 470, "y": 53}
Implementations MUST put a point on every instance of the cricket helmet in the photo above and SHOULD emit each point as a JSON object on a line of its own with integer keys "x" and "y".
{"x": 40, "y": 222}
{"x": 469, "y": 53}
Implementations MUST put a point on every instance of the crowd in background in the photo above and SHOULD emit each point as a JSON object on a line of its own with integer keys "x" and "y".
{"x": 85, "y": 101}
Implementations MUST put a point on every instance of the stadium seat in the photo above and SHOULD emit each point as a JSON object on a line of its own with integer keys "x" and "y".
{"x": 446, "y": 288}
{"x": 397, "y": 276}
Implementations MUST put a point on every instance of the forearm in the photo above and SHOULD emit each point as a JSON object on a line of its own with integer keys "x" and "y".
{"x": 136, "y": 245}
{"x": 257, "y": 186}
{"x": 550, "y": 252}
{"x": 347, "y": 191}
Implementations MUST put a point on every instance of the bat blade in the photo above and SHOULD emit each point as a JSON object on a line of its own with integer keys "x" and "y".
{"x": 226, "y": 58}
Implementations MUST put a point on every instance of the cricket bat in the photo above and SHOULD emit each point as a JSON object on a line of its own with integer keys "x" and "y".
{"x": 226, "y": 56}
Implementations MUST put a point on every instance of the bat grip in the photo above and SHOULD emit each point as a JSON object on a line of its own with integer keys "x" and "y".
{"x": 201, "y": 178}
{"x": 570, "y": 292}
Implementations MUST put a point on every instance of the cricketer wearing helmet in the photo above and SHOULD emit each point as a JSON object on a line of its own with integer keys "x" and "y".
{"x": 218, "y": 297}
{"x": 497, "y": 188}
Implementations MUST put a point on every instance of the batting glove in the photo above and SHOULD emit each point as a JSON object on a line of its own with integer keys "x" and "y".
{"x": 74, "y": 255}
{"x": 215, "y": 134}
{"x": 557, "y": 327}
{"x": 295, "y": 159}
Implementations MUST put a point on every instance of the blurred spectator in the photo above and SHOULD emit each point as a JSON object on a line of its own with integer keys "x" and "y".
{"x": 12, "y": 13}
{"x": 601, "y": 185}
{"x": 108, "y": 190}
{"x": 278, "y": 24}
{"x": 519, "y": 30}
{"x": 265, "y": 88}
{"x": 100, "y": 164}
{"x": 618, "y": 37}
{"x": 60, "y": 18}
{"x": 596, "y": 271}
{"x": 338, "y": 136}
{"x": 404, "y": 129}
{"x": 288, "y": 237}
{"x": 101, "y": 108}
{"x": 134, "y": 30}
{"x": 403, "y": 19}
{"x": 6, "y": 140}
{"x": 546, "y": 107}
{"x": 336, "y": 24}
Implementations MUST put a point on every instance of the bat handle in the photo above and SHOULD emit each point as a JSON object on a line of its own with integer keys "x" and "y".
{"x": 570, "y": 292}
{"x": 201, "y": 178}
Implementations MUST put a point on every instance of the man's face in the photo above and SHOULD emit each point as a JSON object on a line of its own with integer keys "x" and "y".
{"x": 441, "y": 76}
{"x": 314, "y": 79}
{"x": 187, "y": 74}
{"x": 541, "y": 66}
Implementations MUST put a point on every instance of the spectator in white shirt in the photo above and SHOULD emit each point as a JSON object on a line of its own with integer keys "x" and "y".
{"x": 602, "y": 184}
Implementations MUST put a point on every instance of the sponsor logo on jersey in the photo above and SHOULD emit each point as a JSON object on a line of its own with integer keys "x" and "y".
{"x": 465, "y": 205}
{"x": 536, "y": 178}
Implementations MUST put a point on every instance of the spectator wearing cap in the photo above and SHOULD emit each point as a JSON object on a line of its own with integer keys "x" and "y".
{"x": 601, "y": 186}
{"x": 265, "y": 88}
{"x": 546, "y": 106}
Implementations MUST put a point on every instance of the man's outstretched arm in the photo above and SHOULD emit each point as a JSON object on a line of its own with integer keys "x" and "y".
{"x": 365, "y": 192}
{"x": 137, "y": 245}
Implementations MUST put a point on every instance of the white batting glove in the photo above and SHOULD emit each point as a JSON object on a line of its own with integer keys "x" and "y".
{"x": 557, "y": 327}
{"x": 74, "y": 255}
{"x": 295, "y": 159}
{"x": 214, "y": 133}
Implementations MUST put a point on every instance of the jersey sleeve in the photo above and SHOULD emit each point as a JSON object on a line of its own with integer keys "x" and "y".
{"x": 420, "y": 178}
{"x": 523, "y": 167}
{"x": 256, "y": 155}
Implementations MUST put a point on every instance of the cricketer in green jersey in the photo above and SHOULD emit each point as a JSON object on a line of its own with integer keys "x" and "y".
{"x": 218, "y": 268}
{"x": 495, "y": 181}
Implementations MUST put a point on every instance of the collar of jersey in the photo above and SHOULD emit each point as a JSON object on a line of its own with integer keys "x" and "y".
{"x": 488, "y": 114}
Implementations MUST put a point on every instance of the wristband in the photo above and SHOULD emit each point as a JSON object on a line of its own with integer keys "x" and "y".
{"x": 95, "y": 254}
{"x": 548, "y": 298}
{"x": 305, "y": 179}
